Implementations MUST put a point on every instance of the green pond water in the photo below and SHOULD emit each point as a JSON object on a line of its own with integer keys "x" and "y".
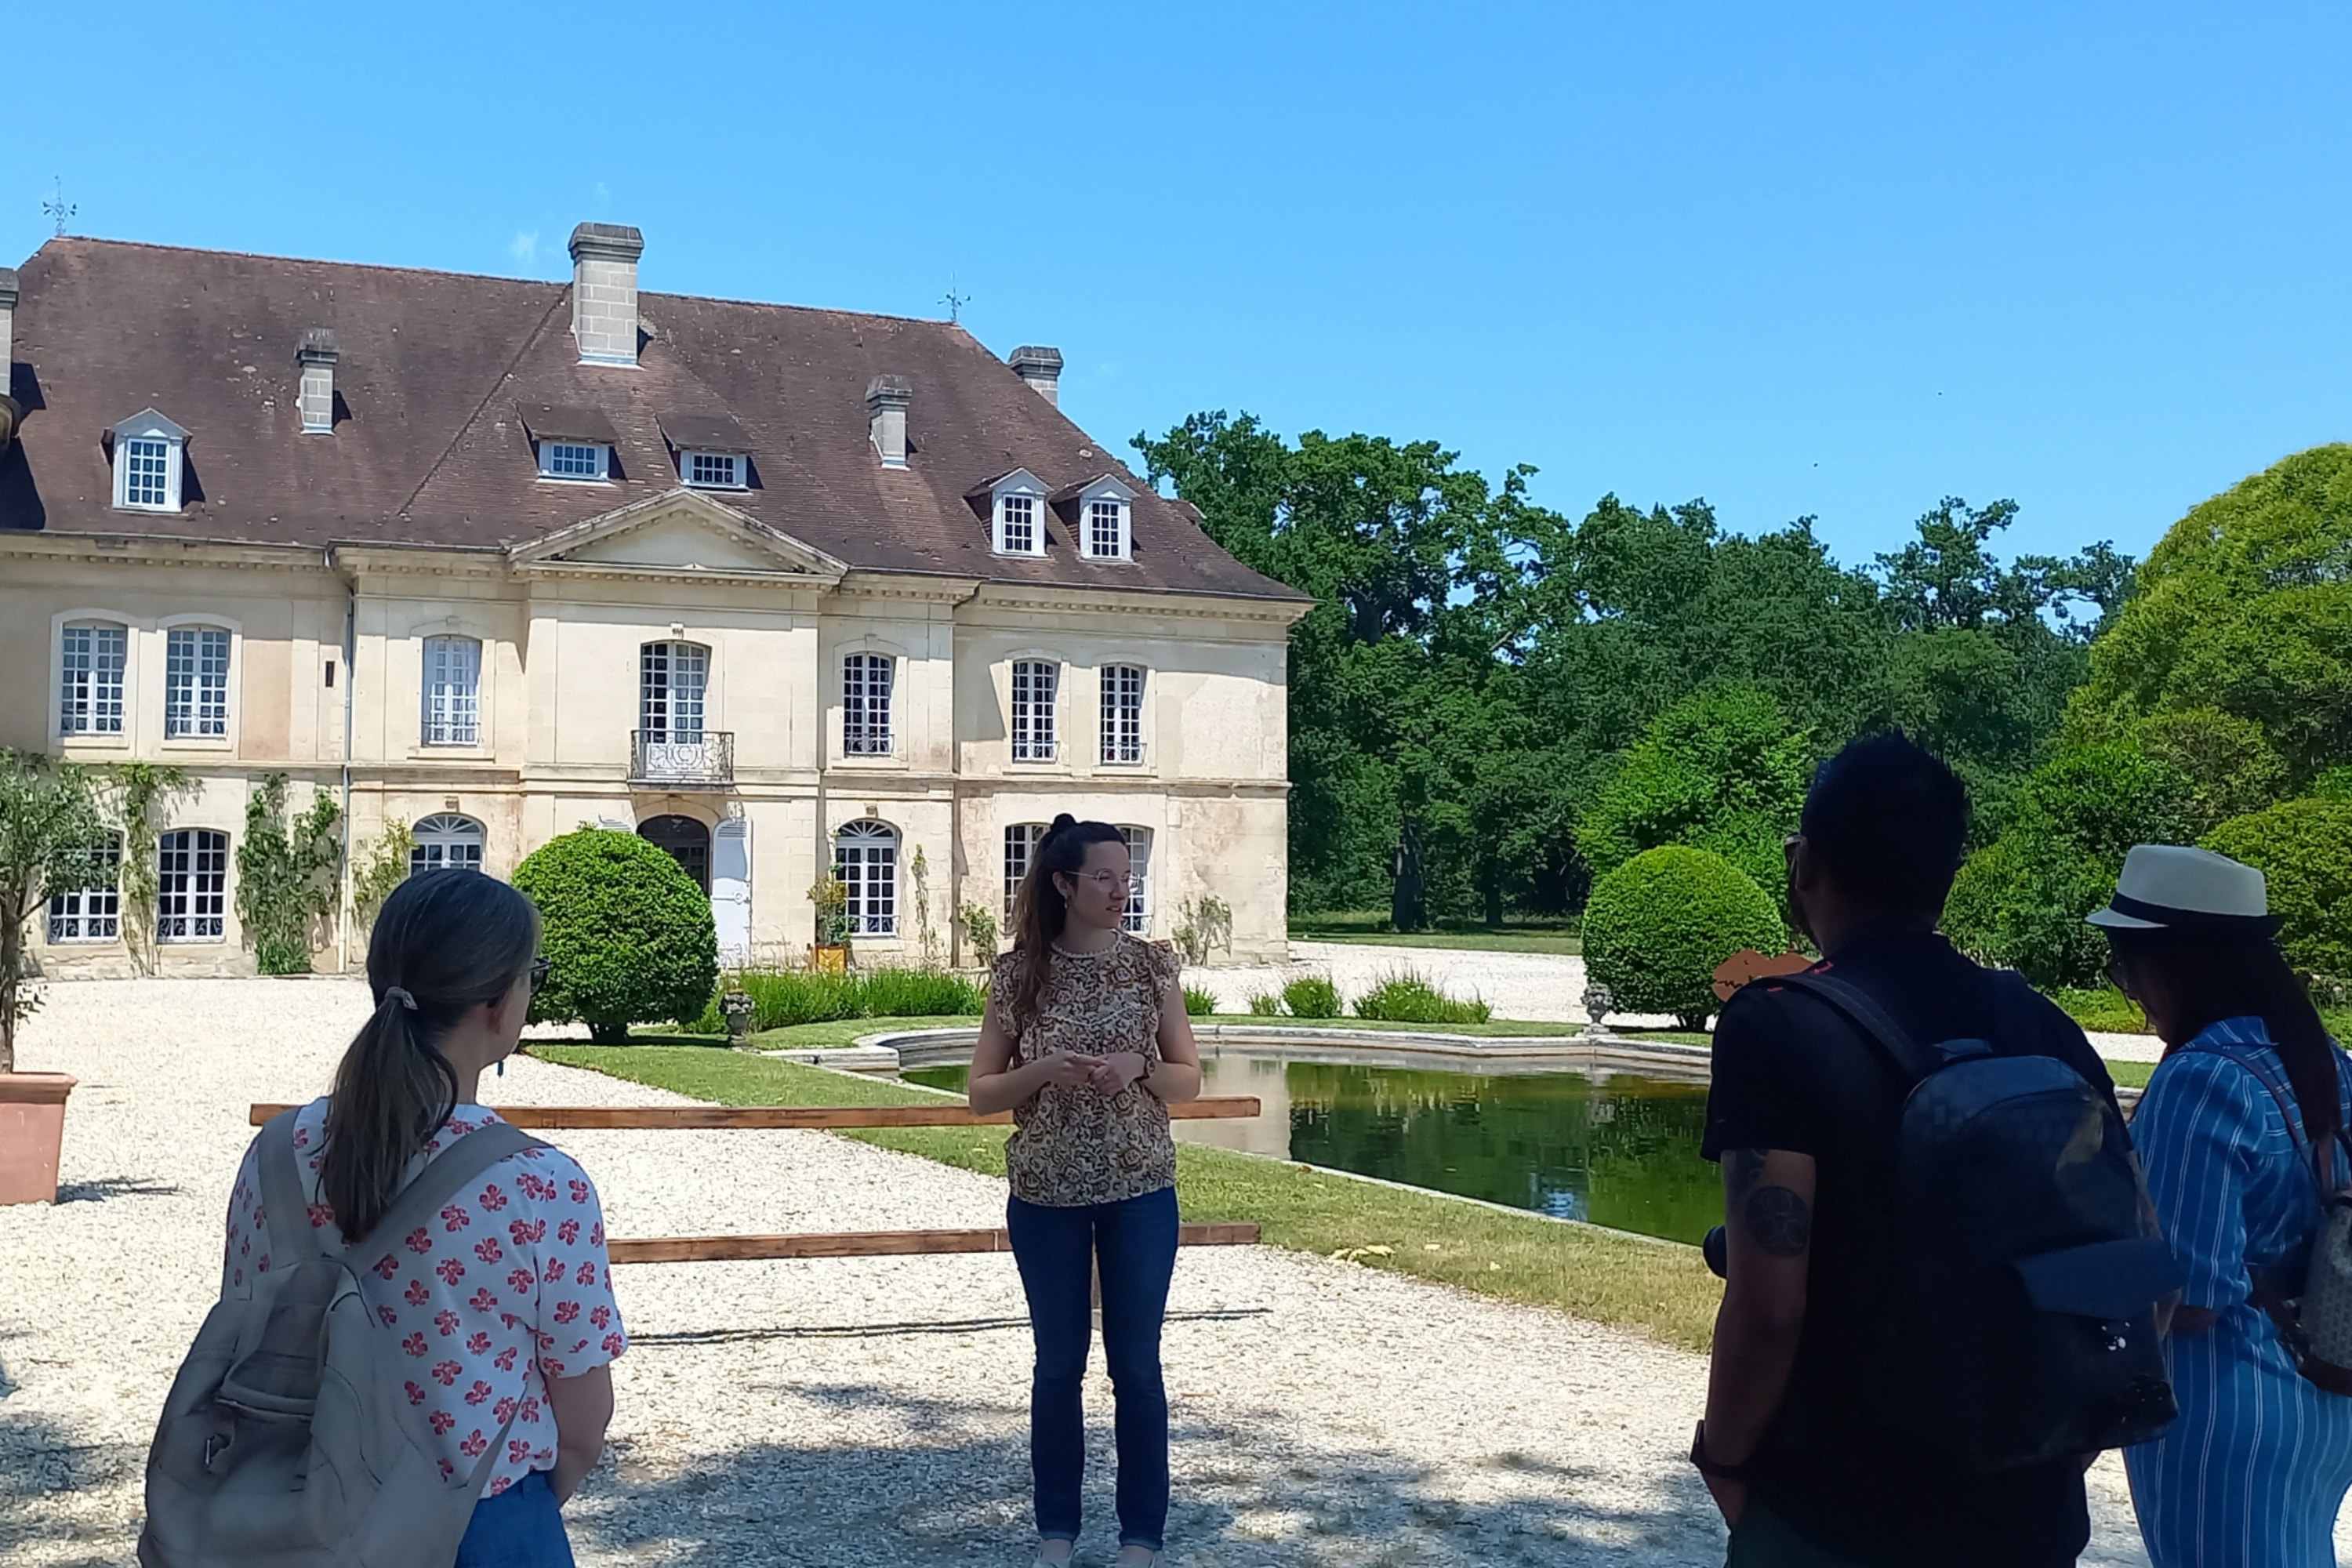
{"x": 1621, "y": 1150}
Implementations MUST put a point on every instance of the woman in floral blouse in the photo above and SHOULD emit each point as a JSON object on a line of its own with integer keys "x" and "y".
{"x": 1085, "y": 1042}
{"x": 504, "y": 1302}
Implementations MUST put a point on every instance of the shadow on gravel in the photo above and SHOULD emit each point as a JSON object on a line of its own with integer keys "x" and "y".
{"x": 107, "y": 1187}
{"x": 898, "y": 1331}
{"x": 1248, "y": 1495}
{"x": 59, "y": 1500}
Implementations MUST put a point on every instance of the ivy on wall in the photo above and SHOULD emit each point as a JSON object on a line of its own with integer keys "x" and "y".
{"x": 140, "y": 792}
{"x": 286, "y": 875}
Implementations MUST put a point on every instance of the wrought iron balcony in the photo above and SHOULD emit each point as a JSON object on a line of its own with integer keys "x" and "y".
{"x": 670, "y": 759}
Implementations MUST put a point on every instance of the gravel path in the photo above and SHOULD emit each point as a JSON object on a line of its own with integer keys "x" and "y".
{"x": 844, "y": 1410}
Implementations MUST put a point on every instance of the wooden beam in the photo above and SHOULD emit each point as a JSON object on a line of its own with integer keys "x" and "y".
{"x": 798, "y": 1118}
{"x": 866, "y": 1244}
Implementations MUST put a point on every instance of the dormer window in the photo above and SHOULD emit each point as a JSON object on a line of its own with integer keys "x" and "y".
{"x": 1014, "y": 504}
{"x": 1098, "y": 513}
{"x": 149, "y": 451}
{"x": 574, "y": 461}
{"x": 714, "y": 470}
{"x": 713, "y": 452}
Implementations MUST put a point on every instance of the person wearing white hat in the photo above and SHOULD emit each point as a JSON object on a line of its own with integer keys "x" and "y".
{"x": 2259, "y": 1462}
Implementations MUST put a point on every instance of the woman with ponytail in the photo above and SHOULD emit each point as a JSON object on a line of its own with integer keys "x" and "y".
{"x": 2241, "y": 1130}
{"x": 1085, "y": 1042}
{"x": 503, "y": 1304}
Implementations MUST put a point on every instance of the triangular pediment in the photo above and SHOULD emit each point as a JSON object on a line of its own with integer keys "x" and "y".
{"x": 681, "y": 532}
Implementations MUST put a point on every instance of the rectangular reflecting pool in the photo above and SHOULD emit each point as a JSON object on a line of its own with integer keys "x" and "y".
{"x": 1619, "y": 1151}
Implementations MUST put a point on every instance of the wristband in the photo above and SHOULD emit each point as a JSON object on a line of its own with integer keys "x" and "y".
{"x": 1707, "y": 1467}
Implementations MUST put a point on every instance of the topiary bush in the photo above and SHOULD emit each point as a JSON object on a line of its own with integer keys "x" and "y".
{"x": 1312, "y": 997}
{"x": 2303, "y": 850}
{"x": 1656, "y": 927}
{"x": 1404, "y": 996}
{"x": 626, "y": 933}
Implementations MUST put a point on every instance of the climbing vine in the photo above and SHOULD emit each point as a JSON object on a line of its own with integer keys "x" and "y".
{"x": 384, "y": 868}
{"x": 286, "y": 875}
{"x": 140, "y": 792}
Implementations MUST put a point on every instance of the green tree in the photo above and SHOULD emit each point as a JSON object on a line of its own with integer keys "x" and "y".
{"x": 2303, "y": 850}
{"x": 51, "y": 833}
{"x": 286, "y": 875}
{"x": 627, "y": 934}
{"x": 1721, "y": 771}
{"x": 2244, "y": 607}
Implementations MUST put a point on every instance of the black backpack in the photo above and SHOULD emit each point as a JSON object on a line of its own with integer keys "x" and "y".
{"x": 2026, "y": 1266}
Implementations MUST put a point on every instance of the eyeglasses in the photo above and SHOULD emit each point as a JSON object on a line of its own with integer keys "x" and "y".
{"x": 1109, "y": 880}
{"x": 538, "y": 971}
{"x": 2119, "y": 976}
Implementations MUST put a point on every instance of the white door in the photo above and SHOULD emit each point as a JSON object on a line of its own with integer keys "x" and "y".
{"x": 730, "y": 889}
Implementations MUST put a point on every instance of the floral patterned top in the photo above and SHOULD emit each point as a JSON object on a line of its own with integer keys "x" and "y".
{"x": 1073, "y": 1145}
{"x": 509, "y": 1287}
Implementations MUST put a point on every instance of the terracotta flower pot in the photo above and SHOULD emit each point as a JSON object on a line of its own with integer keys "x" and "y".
{"x": 32, "y": 1126}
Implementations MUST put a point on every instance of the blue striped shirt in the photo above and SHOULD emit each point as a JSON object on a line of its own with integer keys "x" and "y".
{"x": 2255, "y": 1468}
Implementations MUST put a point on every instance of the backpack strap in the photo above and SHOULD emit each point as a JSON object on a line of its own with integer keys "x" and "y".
{"x": 287, "y": 1212}
{"x": 2321, "y": 1158}
{"x": 1915, "y": 1062}
{"x": 448, "y": 1172}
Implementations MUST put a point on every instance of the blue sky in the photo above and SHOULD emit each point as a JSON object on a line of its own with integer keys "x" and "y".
{"x": 1838, "y": 260}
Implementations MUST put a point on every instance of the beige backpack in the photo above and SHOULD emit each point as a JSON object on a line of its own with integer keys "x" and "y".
{"x": 288, "y": 1441}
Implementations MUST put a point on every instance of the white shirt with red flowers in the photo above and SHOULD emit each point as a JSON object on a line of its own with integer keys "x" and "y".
{"x": 508, "y": 1287}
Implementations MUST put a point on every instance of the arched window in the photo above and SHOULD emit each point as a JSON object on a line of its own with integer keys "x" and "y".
{"x": 92, "y": 913}
{"x": 446, "y": 843}
{"x": 673, "y": 678}
{"x": 90, "y": 661}
{"x": 1020, "y": 845}
{"x": 1139, "y": 886}
{"x": 190, "y": 886}
{"x": 865, "y": 858}
{"x": 687, "y": 842}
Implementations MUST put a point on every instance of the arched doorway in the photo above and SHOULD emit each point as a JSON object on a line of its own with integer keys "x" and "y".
{"x": 687, "y": 842}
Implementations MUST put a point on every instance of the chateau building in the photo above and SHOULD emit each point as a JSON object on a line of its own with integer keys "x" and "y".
{"x": 781, "y": 590}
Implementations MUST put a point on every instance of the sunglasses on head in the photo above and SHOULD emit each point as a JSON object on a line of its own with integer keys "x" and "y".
{"x": 538, "y": 971}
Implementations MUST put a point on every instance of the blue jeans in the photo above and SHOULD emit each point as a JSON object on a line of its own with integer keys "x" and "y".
{"x": 1135, "y": 1243}
{"x": 522, "y": 1527}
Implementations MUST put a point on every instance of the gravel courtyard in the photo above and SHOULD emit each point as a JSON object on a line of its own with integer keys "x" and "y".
{"x": 853, "y": 1410}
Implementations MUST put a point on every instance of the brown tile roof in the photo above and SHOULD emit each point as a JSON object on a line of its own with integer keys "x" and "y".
{"x": 440, "y": 375}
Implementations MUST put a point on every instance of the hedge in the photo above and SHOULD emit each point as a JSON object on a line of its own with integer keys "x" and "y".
{"x": 626, "y": 933}
{"x": 2303, "y": 850}
{"x": 1657, "y": 927}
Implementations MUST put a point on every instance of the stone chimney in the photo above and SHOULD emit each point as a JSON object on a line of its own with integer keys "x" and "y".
{"x": 316, "y": 354}
{"x": 887, "y": 397}
{"x": 605, "y": 292}
{"x": 1041, "y": 369}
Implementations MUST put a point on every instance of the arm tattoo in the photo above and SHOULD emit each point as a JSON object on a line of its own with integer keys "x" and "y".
{"x": 1742, "y": 1169}
{"x": 1780, "y": 1223}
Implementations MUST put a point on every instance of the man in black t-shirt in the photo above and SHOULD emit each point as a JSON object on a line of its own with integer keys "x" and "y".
{"x": 1803, "y": 1115}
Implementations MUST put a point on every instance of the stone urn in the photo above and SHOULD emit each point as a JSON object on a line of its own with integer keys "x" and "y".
{"x": 32, "y": 1130}
{"x": 735, "y": 1006}
{"x": 1597, "y": 1004}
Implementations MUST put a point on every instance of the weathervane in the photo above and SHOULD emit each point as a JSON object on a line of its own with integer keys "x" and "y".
{"x": 954, "y": 301}
{"x": 59, "y": 209}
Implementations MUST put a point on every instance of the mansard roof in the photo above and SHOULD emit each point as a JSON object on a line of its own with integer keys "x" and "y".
{"x": 442, "y": 378}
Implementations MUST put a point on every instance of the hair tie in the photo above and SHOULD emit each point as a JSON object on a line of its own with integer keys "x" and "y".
{"x": 394, "y": 993}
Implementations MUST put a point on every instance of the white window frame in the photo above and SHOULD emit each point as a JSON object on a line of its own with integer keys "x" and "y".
{"x": 446, "y": 842}
{"x": 450, "y": 691}
{"x": 1104, "y": 524}
{"x": 865, "y": 858}
{"x": 869, "y": 680}
{"x": 555, "y": 458}
{"x": 197, "y": 681}
{"x": 1137, "y": 919}
{"x": 192, "y": 898}
{"x": 1035, "y": 729}
{"x": 733, "y": 463}
{"x": 91, "y": 914}
{"x": 1021, "y": 840}
{"x": 93, "y": 678}
{"x": 684, "y": 699}
{"x": 1025, "y": 511}
{"x": 1125, "y": 689}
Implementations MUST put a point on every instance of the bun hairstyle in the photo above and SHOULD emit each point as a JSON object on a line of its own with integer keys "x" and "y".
{"x": 444, "y": 944}
{"x": 1040, "y": 910}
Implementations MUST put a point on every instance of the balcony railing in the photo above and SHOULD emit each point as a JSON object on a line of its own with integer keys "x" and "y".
{"x": 675, "y": 760}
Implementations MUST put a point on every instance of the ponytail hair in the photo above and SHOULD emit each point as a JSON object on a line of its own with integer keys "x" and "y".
{"x": 1040, "y": 909}
{"x": 444, "y": 944}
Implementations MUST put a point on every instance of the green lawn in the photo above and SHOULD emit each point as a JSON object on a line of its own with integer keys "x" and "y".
{"x": 1602, "y": 1275}
{"x": 2129, "y": 1075}
{"x": 1372, "y": 927}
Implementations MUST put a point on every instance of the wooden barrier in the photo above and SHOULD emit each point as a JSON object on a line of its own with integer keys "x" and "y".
{"x": 868, "y": 1244}
{"x": 795, "y": 1118}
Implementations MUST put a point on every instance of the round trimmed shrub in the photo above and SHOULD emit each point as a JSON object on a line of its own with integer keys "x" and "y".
{"x": 1657, "y": 926}
{"x": 2303, "y": 850}
{"x": 627, "y": 935}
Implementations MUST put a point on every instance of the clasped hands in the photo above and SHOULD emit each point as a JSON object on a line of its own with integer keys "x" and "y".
{"x": 1103, "y": 1074}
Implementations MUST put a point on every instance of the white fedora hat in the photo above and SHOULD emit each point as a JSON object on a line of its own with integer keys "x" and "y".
{"x": 2169, "y": 886}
